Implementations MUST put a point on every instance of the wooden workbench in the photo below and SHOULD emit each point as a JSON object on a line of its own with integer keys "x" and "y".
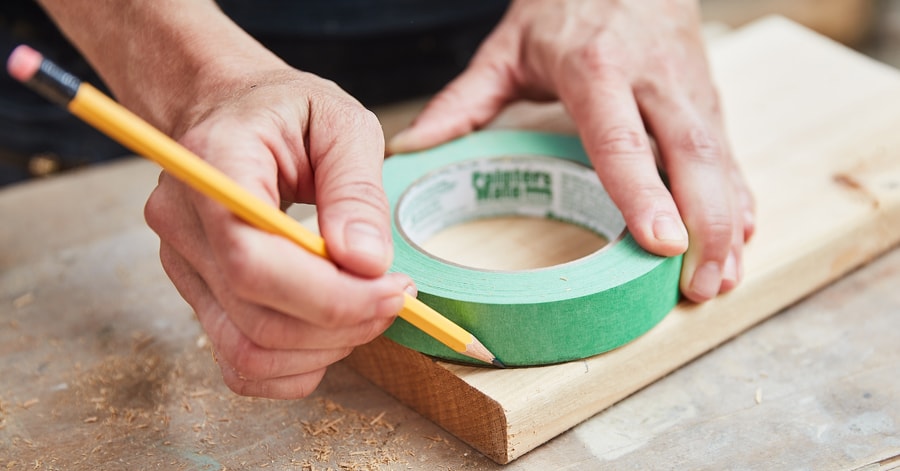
{"x": 102, "y": 366}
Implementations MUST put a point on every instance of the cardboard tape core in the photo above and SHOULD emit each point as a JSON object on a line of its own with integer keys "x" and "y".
{"x": 524, "y": 185}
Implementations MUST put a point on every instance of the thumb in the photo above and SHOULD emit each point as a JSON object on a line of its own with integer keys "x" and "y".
{"x": 467, "y": 103}
{"x": 347, "y": 151}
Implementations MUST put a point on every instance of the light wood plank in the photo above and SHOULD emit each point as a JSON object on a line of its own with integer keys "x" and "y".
{"x": 848, "y": 21}
{"x": 814, "y": 127}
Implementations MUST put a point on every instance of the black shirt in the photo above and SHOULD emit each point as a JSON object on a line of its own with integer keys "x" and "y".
{"x": 379, "y": 51}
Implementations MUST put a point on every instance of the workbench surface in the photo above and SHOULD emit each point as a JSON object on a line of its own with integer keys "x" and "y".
{"x": 103, "y": 366}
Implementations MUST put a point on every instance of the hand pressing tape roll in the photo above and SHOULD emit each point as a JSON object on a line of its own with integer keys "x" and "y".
{"x": 531, "y": 317}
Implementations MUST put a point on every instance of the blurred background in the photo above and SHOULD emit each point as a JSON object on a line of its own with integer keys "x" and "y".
{"x": 870, "y": 26}
{"x": 38, "y": 139}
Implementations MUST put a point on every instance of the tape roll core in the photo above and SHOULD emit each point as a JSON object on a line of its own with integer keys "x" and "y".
{"x": 528, "y": 317}
{"x": 512, "y": 185}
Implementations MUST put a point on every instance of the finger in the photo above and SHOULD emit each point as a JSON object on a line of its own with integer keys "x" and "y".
{"x": 732, "y": 268}
{"x": 169, "y": 213}
{"x": 614, "y": 137}
{"x": 258, "y": 364}
{"x": 468, "y": 103}
{"x": 746, "y": 202}
{"x": 277, "y": 295}
{"x": 270, "y": 329}
{"x": 236, "y": 351}
{"x": 263, "y": 268}
{"x": 743, "y": 210}
{"x": 315, "y": 327}
{"x": 290, "y": 387}
{"x": 346, "y": 147}
{"x": 280, "y": 295}
{"x": 315, "y": 306}
{"x": 697, "y": 162}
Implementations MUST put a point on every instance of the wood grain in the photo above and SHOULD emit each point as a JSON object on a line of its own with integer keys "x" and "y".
{"x": 814, "y": 127}
{"x": 524, "y": 243}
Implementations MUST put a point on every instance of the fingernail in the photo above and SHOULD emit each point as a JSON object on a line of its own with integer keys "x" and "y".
{"x": 667, "y": 228}
{"x": 707, "y": 280}
{"x": 411, "y": 290}
{"x": 365, "y": 239}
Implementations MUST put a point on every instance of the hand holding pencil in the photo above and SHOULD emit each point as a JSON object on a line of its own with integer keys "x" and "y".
{"x": 277, "y": 314}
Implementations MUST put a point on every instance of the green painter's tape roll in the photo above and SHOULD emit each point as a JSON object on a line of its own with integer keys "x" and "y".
{"x": 531, "y": 317}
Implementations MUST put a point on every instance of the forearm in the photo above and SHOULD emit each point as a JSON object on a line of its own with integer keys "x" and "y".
{"x": 166, "y": 60}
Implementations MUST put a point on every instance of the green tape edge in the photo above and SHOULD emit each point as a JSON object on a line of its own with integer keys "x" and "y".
{"x": 536, "y": 317}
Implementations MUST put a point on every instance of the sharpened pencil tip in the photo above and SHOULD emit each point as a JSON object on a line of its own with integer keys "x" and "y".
{"x": 478, "y": 351}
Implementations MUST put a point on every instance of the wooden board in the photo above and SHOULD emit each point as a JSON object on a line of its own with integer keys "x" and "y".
{"x": 816, "y": 128}
{"x": 848, "y": 21}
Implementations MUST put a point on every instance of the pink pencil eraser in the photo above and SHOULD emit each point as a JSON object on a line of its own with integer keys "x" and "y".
{"x": 23, "y": 63}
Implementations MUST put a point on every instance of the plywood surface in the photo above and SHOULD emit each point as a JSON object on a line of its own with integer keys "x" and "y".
{"x": 814, "y": 127}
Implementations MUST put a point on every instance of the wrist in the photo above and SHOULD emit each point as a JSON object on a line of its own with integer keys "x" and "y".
{"x": 206, "y": 77}
{"x": 169, "y": 61}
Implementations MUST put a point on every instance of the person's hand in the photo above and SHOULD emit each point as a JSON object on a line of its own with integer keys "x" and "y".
{"x": 276, "y": 314}
{"x": 621, "y": 69}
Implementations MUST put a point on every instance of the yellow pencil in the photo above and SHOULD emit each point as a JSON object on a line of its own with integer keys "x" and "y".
{"x": 83, "y": 100}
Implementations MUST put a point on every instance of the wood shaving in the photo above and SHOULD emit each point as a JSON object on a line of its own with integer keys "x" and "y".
{"x": 200, "y": 393}
{"x": 23, "y": 300}
{"x": 377, "y": 418}
{"x": 141, "y": 341}
{"x": 29, "y": 403}
{"x": 323, "y": 453}
{"x": 331, "y": 406}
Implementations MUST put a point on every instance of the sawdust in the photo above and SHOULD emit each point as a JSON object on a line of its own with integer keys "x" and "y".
{"x": 142, "y": 402}
{"x": 350, "y": 439}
